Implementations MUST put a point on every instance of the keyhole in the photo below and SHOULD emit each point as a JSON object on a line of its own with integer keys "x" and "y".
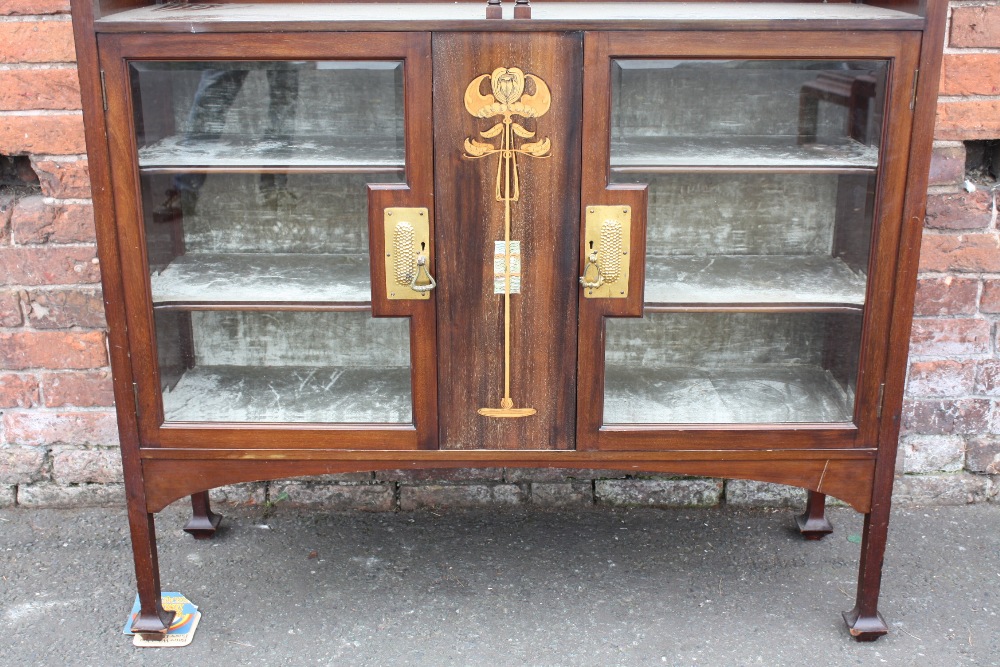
{"x": 422, "y": 246}
{"x": 591, "y": 245}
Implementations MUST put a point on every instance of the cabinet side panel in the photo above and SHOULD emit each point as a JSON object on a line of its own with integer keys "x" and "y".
{"x": 543, "y": 219}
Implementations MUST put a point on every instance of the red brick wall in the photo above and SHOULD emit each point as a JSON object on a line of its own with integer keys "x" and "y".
{"x": 58, "y": 434}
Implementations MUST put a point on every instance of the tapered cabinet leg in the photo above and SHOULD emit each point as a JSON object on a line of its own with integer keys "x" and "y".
{"x": 864, "y": 621}
{"x": 204, "y": 522}
{"x": 152, "y": 619}
{"x": 813, "y": 524}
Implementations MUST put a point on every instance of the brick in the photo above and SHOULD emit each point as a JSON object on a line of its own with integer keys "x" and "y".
{"x": 659, "y": 492}
{"x": 36, "y": 42}
{"x": 561, "y": 494}
{"x": 975, "y": 27}
{"x": 8, "y": 495}
{"x": 34, "y": 221}
{"x": 960, "y": 416}
{"x": 250, "y": 493}
{"x": 335, "y": 497}
{"x": 340, "y": 478}
{"x": 947, "y": 166}
{"x": 33, "y": 7}
{"x": 54, "y": 496}
{"x": 941, "y": 337}
{"x": 55, "y": 88}
{"x": 10, "y": 309}
{"x": 18, "y": 391}
{"x": 441, "y": 475}
{"x": 941, "y": 378}
{"x": 64, "y": 308}
{"x": 932, "y": 453}
{"x": 975, "y": 253}
{"x": 953, "y": 489}
{"x": 19, "y": 465}
{"x": 86, "y": 466}
{"x": 80, "y": 389}
{"x": 946, "y": 296}
{"x": 52, "y": 349}
{"x": 454, "y": 496}
{"x": 970, "y": 74}
{"x": 971, "y": 119}
{"x": 63, "y": 179}
{"x": 959, "y": 211}
{"x": 55, "y": 134}
{"x": 65, "y": 428}
{"x": 982, "y": 454}
{"x": 988, "y": 378}
{"x": 49, "y": 265}
{"x": 748, "y": 493}
{"x": 515, "y": 475}
{"x": 990, "y": 301}
{"x": 7, "y": 203}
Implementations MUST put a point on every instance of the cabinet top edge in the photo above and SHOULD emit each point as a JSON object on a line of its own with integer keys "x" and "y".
{"x": 556, "y": 16}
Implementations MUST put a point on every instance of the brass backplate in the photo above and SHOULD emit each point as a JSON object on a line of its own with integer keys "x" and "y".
{"x": 609, "y": 235}
{"x": 407, "y": 236}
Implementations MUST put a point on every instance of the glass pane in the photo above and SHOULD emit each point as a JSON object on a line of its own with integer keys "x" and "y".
{"x": 727, "y": 368}
{"x": 260, "y": 366}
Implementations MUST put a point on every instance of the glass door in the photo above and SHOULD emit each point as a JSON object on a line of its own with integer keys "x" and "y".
{"x": 757, "y": 188}
{"x": 263, "y": 189}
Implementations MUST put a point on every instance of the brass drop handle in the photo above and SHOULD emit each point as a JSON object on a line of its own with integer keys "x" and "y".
{"x": 425, "y": 286}
{"x": 599, "y": 278}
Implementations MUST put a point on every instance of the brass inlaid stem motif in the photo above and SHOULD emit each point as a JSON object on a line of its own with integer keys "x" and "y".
{"x": 508, "y": 100}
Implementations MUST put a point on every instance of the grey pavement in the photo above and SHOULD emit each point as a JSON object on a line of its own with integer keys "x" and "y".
{"x": 598, "y": 586}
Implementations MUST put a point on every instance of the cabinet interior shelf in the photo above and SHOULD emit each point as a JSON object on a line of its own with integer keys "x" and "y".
{"x": 737, "y": 154}
{"x": 804, "y": 281}
{"x": 759, "y": 393}
{"x": 246, "y": 278}
{"x": 330, "y": 395}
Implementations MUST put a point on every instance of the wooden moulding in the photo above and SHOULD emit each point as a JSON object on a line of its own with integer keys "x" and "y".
{"x": 173, "y": 474}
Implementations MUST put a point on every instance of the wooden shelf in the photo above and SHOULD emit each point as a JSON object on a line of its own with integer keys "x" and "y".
{"x": 738, "y": 154}
{"x": 808, "y": 281}
{"x": 297, "y": 394}
{"x": 752, "y": 394}
{"x": 249, "y": 278}
{"x": 363, "y": 154}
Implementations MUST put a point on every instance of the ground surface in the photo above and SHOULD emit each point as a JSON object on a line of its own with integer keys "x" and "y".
{"x": 595, "y": 587}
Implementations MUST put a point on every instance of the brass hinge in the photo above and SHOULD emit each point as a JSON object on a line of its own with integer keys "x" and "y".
{"x": 135, "y": 393}
{"x": 881, "y": 400}
{"x": 913, "y": 93}
{"x": 104, "y": 91}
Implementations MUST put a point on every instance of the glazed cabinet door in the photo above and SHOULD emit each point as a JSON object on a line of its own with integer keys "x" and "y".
{"x": 740, "y": 222}
{"x": 275, "y": 230}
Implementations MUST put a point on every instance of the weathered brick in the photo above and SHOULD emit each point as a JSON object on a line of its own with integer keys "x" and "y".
{"x": 8, "y": 495}
{"x": 941, "y": 378}
{"x": 453, "y": 496}
{"x": 84, "y": 466}
{"x": 55, "y": 496}
{"x": 515, "y": 475}
{"x": 948, "y": 489}
{"x": 748, "y": 493}
{"x": 941, "y": 337}
{"x": 81, "y": 389}
{"x": 961, "y": 210}
{"x": 19, "y": 465}
{"x": 982, "y": 454}
{"x": 7, "y": 203}
{"x": 18, "y": 391}
{"x": 64, "y": 179}
{"x": 53, "y": 265}
{"x": 36, "y": 42}
{"x": 990, "y": 301}
{"x": 988, "y": 378}
{"x": 968, "y": 119}
{"x": 250, "y": 493}
{"x": 34, "y": 221}
{"x": 33, "y": 7}
{"x": 970, "y": 73}
{"x": 932, "y": 453}
{"x": 10, "y": 309}
{"x": 52, "y": 134}
{"x": 960, "y": 252}
{"x": 52, "y": 349}
{"x": 336, "y": 497}
{"x": 561, "y": 494}
{"x": 64, "y": 308}
{"x": 659, "y": 492}
{"x": 65, "y": 428}
{"x": 975, "y": 26}
{"x": 947, "y": 165}
{"x": 961, "y": 416}
{"x": 949, "y": 295}
{"x": 441, "y": 475}
{"x": 49, "y": 88}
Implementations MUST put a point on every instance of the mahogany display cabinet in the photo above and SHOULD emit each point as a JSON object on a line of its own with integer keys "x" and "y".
{"x": 650, "y": 237}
